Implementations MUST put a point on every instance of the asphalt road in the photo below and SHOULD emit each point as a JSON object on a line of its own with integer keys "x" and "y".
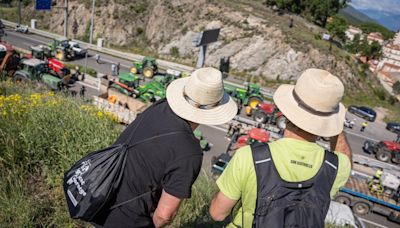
{"x": 215, "y": 135}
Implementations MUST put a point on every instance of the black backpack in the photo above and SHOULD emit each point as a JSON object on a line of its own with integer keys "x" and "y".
{"x": 291, "y": 204}
{"x": 92, "y": 181}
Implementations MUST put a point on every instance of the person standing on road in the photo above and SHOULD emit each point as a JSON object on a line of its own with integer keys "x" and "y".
{"x": 168, "y": 165}
{"x": 113, "y": 69}
{"x": 290, "y": 182}
{"x": 363, "y": 126}
{"x": 118, "y": 67}
{"x": 97, "y": 57}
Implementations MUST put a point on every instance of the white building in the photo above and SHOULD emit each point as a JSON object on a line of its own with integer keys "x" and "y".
{"x": 396, "y": 40}
{"x": 352, "y": 31}
{"x": 375, "y": 36}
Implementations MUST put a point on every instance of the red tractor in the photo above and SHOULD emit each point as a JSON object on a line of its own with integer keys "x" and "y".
{"x": 254, "y": 135}
{"x": 266, "y": 113}
{"x": 385, "y": 151}
{"x": 56, "y": 67}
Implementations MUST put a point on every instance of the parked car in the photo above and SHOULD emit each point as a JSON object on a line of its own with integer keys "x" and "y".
{"x": 363, "y": 112}
{"x": 22, "y": 29}
{"x": 393, "y": 127}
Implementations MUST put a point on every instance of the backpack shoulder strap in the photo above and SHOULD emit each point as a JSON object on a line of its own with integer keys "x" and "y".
{"x": 157, "y": 136}
{"x": 328, "y": 171}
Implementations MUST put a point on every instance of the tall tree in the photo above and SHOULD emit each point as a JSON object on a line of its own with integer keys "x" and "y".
{"x": 337, "y": 28}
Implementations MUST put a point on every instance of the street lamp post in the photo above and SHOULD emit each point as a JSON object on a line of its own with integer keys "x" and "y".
{"x": 66, "y": 18}
{"x": 91, "y": 22}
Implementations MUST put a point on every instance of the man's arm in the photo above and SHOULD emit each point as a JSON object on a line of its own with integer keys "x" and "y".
{"x": 166, "y": 209}
{"x": 339, "y": 143}
{"x": 221, "y": 206}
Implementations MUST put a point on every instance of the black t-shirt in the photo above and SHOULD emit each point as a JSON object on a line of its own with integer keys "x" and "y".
{"x": 170, "y": 162}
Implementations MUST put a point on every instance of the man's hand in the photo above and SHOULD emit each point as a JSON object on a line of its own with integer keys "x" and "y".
{"x": 339, "y": 143}
{"x": 221, "y": 206}
{"x": 166, "y": 209}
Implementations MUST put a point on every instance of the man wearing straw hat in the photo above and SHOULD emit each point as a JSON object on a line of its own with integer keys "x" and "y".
{"x": 162, "y": 170}
{"x": 290, "y": 182}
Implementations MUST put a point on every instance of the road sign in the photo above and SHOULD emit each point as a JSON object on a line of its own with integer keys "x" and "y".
{"x": 208, "y": 36}
{"x": 43, "y": 5}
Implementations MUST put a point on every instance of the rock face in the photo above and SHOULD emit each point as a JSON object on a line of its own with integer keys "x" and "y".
{"x": 255, "y": 44}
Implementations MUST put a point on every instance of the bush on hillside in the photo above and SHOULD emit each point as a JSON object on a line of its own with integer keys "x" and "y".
{"x": 41, "y": 135}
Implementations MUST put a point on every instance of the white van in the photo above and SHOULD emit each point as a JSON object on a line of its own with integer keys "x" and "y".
{"x": 341, "y": 215}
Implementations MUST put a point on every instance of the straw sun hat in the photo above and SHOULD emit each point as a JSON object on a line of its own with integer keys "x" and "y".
{"x": 313, "y": 104}
{"x": 201, "y": 99}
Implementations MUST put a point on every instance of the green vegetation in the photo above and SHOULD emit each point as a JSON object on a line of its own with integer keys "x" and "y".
{"x": 174, "y": 52}
{"x": 317, "y": 10}
{"x": 337, "y": 28}
{"x": 373, "y": 27}
{"x": 42, "y": 135}
{"x": 371, "y": 51}
{"x": 396, "y": 87}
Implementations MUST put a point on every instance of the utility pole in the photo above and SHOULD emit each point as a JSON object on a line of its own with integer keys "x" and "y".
{"x": 19, "y": 11}
{"x": 91, "y": 22}
{"x": 66, "y": 18}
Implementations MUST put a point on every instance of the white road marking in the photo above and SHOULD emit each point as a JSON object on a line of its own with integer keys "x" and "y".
{"x": 217, "y": 127}
{"x": 372, "y": 223}
{"x": 109, "y": 61}
{"x": 87, "y": 85}
{"x": 361, "y": 136}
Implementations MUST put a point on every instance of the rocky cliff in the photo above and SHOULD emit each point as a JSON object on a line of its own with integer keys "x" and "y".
{"x": 258, "y": 41}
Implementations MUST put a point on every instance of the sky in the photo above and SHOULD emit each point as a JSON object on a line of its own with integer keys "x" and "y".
{"x": 386, "y": 12}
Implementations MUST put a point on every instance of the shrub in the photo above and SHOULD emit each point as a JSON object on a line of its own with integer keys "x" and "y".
{"x": 42, "y": 134}
{"x": 174, "y": 52}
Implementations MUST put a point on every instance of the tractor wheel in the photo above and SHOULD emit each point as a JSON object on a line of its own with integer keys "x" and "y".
{"x": 254, "y": 101}
{"x": 148, "y": 72}
{"x": 343, "y": 200}
{"x": 383, "y": 155}
{"x": 134, "y": 70}
{"x": 20, "y": 79}
{"x": 260, "y": 117}
{"x": 361, "y": 208}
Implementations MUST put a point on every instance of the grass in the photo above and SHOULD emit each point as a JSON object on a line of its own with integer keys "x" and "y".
{"x": 41, "y": 135}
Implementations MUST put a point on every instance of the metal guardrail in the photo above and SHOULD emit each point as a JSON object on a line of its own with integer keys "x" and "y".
{"x": 129, "y": 56}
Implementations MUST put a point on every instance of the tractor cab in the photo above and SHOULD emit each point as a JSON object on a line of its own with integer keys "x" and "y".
{"x": 62, "y": 48}
{"x": 34, "y": 68}
{"x": 40, "y": 52}
{"x": 37, "y": 70}
{"x": 253, "y": 88}
{"x": 129, "y": 79}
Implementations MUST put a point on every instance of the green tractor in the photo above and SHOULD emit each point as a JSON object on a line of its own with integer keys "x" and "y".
{"x": 249, "y": 96}
{"x": 147, "y": 67}
{"x": 62, "y": 49}
{"x": 129, "y": 79}
{"x": 204, "y": 144}
{"x": 128, "y": 84}
{"x": 41, "y": 52}
{"x": 37, "y": 70}
{"x": 150, "y": 92}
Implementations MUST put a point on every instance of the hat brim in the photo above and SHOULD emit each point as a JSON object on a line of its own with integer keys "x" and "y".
{"x": 325, "y": 126}
{"x": 223, "y": 113}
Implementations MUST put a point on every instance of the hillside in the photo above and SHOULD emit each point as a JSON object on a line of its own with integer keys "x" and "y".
{"x": 261, "y": 45}
{"x": 355, "y": 16}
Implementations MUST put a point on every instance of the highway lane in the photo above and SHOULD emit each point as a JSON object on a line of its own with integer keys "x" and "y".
{"x": 26, "y": 40}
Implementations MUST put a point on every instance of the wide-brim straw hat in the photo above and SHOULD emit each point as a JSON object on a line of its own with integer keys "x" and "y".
{"x": 313, "y": 104}
{"x": 201, "y": 98}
